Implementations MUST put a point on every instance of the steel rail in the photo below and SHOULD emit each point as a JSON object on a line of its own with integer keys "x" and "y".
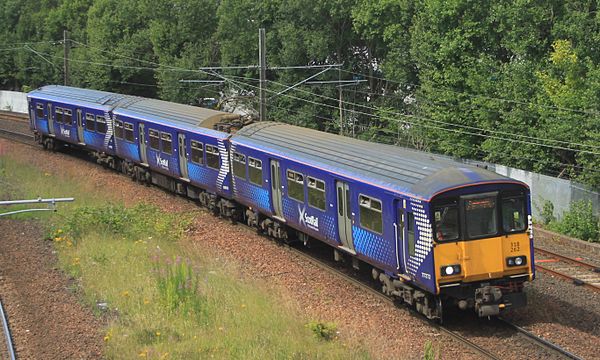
{"x": 573, "y": 279}
{"x": 359, "y": 284}
{"x": 594, "y": 268}
{"x": 6, "y": 329}
{"x": 541, "y": 341}
{"x": 562, "y": 275}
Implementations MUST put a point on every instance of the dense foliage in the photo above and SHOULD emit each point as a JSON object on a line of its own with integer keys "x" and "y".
{"x": 512, "y": 82}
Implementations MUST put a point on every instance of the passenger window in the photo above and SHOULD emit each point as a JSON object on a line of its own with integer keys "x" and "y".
{"x": 295, "y": 182}
{"x": 410, "y": 230}
{"x": 316, "y": 193}
{"x": 255, "y": 171}
{"x": 39, "y": 111}
{"x": 166, "y": 143}
{"x": 59, "y": 115}
{"x": 67, "y": 117}
{"x": 239, "y": 165}
{"x": 513, "y": 214}
{"x": 371, "y": 216}
{"x": 128, "y": 127}
{"x": 197, "y": 152}
{"x": 118, "y": 129}
{"x": 101, "y": 124}
{"x": 154, "y": 139}
{"x": 212, "y": 156}
{"x": 90, "y": 124}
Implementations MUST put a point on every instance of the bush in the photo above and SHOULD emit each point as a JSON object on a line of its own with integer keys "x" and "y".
{"x": 547, "y": 213}
{"x": 137, "y": 221}
{"x": 579, "y": 222}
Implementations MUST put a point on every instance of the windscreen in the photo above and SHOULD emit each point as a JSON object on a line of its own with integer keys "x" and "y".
{"x": 481, "y": 217}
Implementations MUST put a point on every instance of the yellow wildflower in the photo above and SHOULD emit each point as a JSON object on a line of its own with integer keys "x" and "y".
{"x": 158, "y": 333}
{"x": 125, "y": 293}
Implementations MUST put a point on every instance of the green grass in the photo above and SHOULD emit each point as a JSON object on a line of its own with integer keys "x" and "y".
{"x": 164, "y": 300}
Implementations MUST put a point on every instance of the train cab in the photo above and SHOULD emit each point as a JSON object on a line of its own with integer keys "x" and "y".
{"x": 482, "y": 246}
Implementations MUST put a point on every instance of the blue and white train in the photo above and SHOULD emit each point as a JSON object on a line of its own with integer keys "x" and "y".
{"x": 433, "y": 230}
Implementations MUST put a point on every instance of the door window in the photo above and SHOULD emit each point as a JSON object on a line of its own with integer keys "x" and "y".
{"x": 410, "y": 232}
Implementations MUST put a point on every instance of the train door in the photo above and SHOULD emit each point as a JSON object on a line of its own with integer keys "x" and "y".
{"x": 344, "y": 215}
{"x": 276, "y": 188}
{"x": 80, "y": 126}
{"x": 409, "y": 242}
{"x": 50, "y": 120}
{"x": 183, "y": 166}
{"x": 400, "y": 231}
{"x": 142, "y": 143}
{"x": 31, "y": 114}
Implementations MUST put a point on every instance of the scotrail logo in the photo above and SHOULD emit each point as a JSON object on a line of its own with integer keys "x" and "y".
{"x": 163, "y": 163}
{"x": 309, "y": 221}
{"x": 65, "y": 132}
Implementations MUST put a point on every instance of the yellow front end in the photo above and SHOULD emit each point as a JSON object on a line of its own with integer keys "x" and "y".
{"x": 482, "y": 259}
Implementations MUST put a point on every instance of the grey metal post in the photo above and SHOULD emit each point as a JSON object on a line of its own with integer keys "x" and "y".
{"x": 66, "y": 57}
{"x": 341, "y": 106}
{"x": 262, "y": 61}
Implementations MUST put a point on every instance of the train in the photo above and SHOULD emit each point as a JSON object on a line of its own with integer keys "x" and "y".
{"x": 433, "y": 231}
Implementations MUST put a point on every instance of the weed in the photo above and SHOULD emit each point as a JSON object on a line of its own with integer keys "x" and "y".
{"x": 323, "y": 331}
{"x": 430, "y": 353}
{"x": 178, "y": 287}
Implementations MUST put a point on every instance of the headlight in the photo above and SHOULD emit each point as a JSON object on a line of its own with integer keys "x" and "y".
{"x": 450, "y": 270}
{"x": 516, "y": 261}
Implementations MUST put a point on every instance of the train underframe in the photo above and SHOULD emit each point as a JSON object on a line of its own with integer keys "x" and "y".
{"x": 488, "y": 298}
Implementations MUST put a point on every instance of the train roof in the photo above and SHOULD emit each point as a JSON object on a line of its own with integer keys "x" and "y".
{"x": 81, "y": 97}
{"x": 416, "y": 173}
{"x": 173, "y": 114}
{"x": 186, "y": 117}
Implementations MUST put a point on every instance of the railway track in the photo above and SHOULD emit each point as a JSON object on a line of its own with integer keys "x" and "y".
{"x": 14, "y": 126}
{"x": 10, "y": 350}
{"x": 574, "y": 270}
{"x": 8, "y": 115}
{"x": 547, "y": 347}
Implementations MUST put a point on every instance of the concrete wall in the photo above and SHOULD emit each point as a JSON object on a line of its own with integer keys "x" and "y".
{"x": 543, "y": 188}
{"x": 560, "y": 192}
{"x": 13, "y": 101}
